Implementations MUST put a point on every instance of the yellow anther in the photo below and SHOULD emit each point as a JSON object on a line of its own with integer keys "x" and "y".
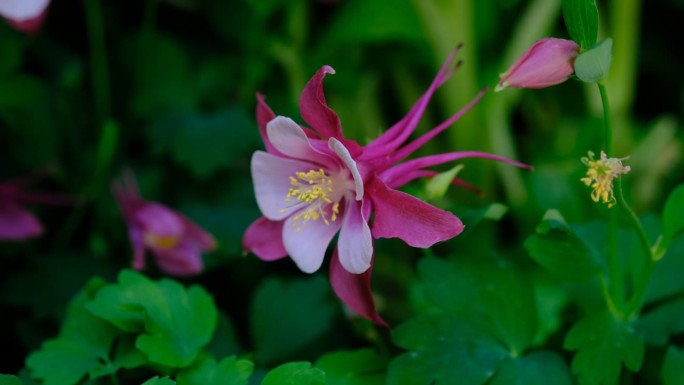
{"x": 316, "y": 189}
{"x": 600, "y": 175}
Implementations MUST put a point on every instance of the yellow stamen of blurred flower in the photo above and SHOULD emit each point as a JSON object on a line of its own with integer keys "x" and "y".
{"x": 600, "y": 175}
{"x": 160, "y": 241}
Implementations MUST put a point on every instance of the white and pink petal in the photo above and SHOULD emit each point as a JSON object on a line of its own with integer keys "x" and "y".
{"x": 306, "y": 243}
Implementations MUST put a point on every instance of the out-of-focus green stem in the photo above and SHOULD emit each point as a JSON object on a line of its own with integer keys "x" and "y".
{"x": 625, "y": 29}
{"x": 98, "y": 59}
{"x": 447, "y": 24}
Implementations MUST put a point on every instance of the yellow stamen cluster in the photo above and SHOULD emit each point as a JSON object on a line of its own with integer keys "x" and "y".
{"x": 600, "y": 175}
{"x": 162, "y": 242}
{"x": 313, "y": 187}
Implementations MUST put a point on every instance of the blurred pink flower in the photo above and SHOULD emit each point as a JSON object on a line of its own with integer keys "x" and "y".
{"x": 16, "y": 222}
{"x": 25, "y": 15}
{"x": 175, "y": 241}
{"x": 312, "y": 183}
{"x": 547, "y": 62}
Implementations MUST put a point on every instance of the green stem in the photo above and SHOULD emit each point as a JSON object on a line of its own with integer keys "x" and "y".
{"x": 98, "y": 59}
{"x": 607, "y": 121}
{"x": 614, "y": 266}
{"x": 635, "y": 303}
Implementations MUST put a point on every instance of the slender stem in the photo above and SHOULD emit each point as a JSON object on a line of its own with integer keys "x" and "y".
{"x": 614, "y": 266}
{"x": 607, "y": 121}
{"x": 635, "y": 303}
{"x": 98, "y": 59}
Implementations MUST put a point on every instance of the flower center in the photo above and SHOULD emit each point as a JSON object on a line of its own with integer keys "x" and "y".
{"x": 600, "y": 175}
{"x": 317, "y": 190}
{"x": 160, "y": 241}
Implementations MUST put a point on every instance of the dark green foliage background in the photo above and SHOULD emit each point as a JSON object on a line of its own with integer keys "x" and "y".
{"x": 167, "y": 90}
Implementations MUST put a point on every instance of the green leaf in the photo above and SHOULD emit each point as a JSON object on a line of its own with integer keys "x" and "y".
{"x": 672, "y": 373}
{"x": 175, "y": 322}
{"x": 657, "y": 325}
{"x": 164, "y": 76}
{"x": 371, "y": 21}
{"x": 6, "y": 379}
{"x": 126, "y": 356}
{"x": 295, "y": 373}
{"x": 563, "y": 251}
{"x": 288, "y": 316}
{"x": 581, "y": 20}
{"x": 159, "y": 381}
{"x": 444, "y": 351}
{"x": 230, "y": 371}
{"x": 359, "y": 367}
{"x": 205, "y": 143}
{"x": 11, "y": 52}
{"x": 673, "y": 215}
{"x": 487, "y": 294}
{"x": 603, "y": 345}
{"x": 438, "y": 185}
{"x": 593, "y": 65}
{"x": 82, "y": 346}
{"x": 537, "y": 368}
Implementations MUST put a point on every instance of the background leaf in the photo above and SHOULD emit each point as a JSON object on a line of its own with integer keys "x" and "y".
{"x": 6, "y": 379}
{"x": 82, "y": 347}
{"x": 295, "y": 373}
{"x": 563, "y": 251}
{"x": 604, "y": 344}
{"x": 288, "y": 316}
{"x": 206, "y": 371}
{"x": 672, "y": 373}
{"x": 673, "y": 220}
{"x": 581, "y": 20}
{"x": 359, "y": 367}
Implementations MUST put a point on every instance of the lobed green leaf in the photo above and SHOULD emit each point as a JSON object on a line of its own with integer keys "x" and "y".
{"x": 82, "y": 347}
{"x": 443, "y": 350}
{"x": 206, "y": 371}
{"x": 604, "y": 344}
{"x": 564, "y": 251}
{"x": 359, "y": 367}
{"x": 295, "y": 373}
{"x": 174, "y": 322}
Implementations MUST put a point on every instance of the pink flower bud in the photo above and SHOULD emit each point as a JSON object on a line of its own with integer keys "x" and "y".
{"x": 548, "y": 62}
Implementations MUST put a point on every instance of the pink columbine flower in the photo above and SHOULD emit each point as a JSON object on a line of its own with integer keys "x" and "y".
{"x": 25, "y": 15}
{"x": 548, "y": 62}
{"x": 313, "y": 183}
{"x": 16, "y": 222}
{"x": 175, "y": 241}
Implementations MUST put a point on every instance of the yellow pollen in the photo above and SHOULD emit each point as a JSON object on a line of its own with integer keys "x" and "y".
{"x": 314, "y": 188}
{"x": 162, "y": 242}
{"x": 600, "y": 175}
